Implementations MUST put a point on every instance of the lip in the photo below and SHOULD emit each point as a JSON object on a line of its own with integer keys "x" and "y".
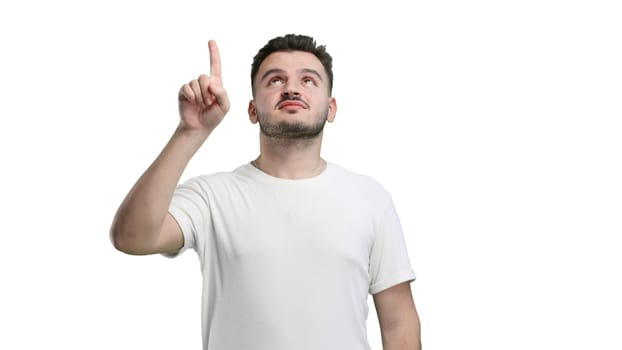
{"x": 291, "y": 104}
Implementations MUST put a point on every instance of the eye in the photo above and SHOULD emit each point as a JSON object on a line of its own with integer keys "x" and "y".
{"x": 309, "y": 81}
{"x": 276, "y": 81}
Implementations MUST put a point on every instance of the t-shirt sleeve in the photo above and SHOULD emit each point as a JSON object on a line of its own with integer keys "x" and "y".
{"x": 190, "y": 208}
{"x": 389, "y": 261}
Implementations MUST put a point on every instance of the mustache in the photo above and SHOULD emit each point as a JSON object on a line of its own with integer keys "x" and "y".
{"x": 291, "y": 98}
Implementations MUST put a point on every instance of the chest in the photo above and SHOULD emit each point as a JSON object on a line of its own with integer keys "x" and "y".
{"x": 294, "y": 228}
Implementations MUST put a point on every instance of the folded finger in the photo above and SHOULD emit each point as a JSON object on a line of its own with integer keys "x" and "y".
{"x": 185, "y": 93}
{"x": 196, "y": 89}
{"x": 204, "y": 84}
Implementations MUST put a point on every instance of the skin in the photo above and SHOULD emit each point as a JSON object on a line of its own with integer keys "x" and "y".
{"x": 400, "y": 327}
{"x": 142, "y": 224}
{"x": 297, "y": 74}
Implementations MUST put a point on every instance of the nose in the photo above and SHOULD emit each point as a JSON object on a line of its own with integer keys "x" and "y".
{"x": 290, "y": 91}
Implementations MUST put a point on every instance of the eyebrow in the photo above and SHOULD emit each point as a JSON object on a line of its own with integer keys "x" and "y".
{"x": 278, "y": 70}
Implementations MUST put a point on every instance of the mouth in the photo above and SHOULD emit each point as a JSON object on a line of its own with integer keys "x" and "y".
{"x": 291, "y": 104}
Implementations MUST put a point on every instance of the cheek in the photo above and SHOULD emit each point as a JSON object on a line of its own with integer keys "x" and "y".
{"x": 261, "y": 105}
{"x": 272, "y": 100}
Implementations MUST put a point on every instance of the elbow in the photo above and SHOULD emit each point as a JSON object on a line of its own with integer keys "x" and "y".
{"x": 124, "y": 239}
{"x": 405, "y": 335}
{"x": 118, "y": 239}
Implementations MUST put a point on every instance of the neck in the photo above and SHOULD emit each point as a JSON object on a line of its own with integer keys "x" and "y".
{"x": 290, "y": 158}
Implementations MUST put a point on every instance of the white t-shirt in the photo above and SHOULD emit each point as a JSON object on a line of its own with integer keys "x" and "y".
{"x": 288, "y": 264}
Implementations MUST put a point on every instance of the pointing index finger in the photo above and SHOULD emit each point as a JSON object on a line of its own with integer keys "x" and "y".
{"x": 214, "y": 57}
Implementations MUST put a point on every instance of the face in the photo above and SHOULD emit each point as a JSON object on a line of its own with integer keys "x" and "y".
{"x": 291, "y": 98}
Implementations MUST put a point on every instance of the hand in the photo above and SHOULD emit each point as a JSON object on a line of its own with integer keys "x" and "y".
{"x": 203, "y": 102}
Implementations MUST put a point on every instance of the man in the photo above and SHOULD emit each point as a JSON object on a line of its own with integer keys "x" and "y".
{"x": 290, "y": 245}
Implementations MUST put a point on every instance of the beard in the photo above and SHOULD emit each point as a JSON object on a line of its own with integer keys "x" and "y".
{"x": 293, "y": 130}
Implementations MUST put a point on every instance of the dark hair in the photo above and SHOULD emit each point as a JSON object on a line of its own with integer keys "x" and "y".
{"x": 294, "y": 42}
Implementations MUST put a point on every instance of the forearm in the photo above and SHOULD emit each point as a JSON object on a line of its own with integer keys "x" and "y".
{"x": 140, "y": 216}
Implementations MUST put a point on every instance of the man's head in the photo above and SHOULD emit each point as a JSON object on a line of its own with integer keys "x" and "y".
{"x": 292, "y": 85}
{"x": 294, "y": 42}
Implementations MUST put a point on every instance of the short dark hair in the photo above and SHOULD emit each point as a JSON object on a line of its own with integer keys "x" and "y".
{"x": 294, "y": 42}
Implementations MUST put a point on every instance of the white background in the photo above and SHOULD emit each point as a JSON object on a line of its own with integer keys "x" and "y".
{"x": 494, "y": 124}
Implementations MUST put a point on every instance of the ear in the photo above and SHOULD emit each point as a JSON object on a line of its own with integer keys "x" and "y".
{"x": 332, "y": 109}
{"x": 252, "y": 112}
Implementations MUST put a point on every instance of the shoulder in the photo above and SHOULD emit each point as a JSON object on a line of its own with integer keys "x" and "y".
{"x": 357, "y": 178}
{"x": 218, "y": 178}
{"x": 361, "y": 183}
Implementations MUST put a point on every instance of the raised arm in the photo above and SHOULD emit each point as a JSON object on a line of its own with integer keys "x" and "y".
{"x": 142, "y": 224}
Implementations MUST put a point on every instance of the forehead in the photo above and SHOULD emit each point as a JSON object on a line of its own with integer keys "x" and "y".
{"x": 291, "y": 61}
